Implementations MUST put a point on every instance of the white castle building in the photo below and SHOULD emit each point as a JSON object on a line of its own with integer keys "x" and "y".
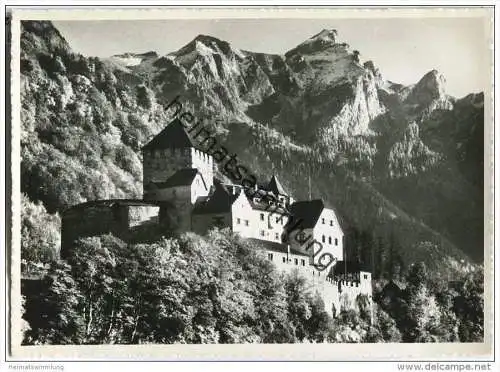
{"x": 180, "y": 188}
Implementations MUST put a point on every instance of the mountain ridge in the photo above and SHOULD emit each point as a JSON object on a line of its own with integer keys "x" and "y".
{"x": 355, "y": 132}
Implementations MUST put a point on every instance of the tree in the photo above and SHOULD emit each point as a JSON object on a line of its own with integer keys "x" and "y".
{"x": 417, "y": 276}
{"x": 424, "y": 315}
{"x": 92, "y": 265}
{"x": 299, "y": 310}
{"x": 55, "y": 314}
{"x": 469, "y": 307}
{"x": 318, "y": 324}
{"x": 40, "y": 232}
{"x": 386, "y": 325}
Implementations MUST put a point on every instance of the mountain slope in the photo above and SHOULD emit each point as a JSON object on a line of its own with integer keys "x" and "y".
{"x": 317, "y": 111}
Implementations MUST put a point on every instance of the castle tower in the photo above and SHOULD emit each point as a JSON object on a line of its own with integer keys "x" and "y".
{"x": 170, "y": 151}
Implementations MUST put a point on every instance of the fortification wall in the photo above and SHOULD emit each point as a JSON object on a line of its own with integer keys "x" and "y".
{"x": 338, "y": 295}
{"x": 105, "y": 217}
{"x": 205, "y": 165}
{"x": 142, "y": 214}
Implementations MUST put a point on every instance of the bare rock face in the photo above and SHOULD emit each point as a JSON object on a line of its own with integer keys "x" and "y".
{"x": 428, "y": 95}
{"x": 428, "y": 89}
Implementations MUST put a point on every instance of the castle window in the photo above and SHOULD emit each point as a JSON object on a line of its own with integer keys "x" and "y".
{"x": 323, "y": 221}
{"x": 246, "y": 222}
{"x": 276, "y": 236}
{"x": 303, "y": 262}
{"x": 262, "y": 216}
{"x": 262, "y": 233}
{"x": 218, "y": 221}
{"x": 329, "y": 240}
{"x": 357, "y": 284}
{"x": 277, "y": 219}
{"x": 331, "y": 222}
{"x": 323, "y": 238}
{"x": 270, "y": 256}
{"x": 284, "y": 259}
{"x": 365, "y": 276}
{"x": 296, "y": 261}
{"x": 336, "y": 241}
{"x": 238, "y": 221}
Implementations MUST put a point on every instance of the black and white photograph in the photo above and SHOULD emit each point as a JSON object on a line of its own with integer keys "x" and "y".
{"x": 253, "y": 180}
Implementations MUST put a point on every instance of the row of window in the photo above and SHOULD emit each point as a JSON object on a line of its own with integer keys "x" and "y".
{"x": 238, "y": 221}
{"x": 323, "y": 221}
{"x": 279, "y": 220}
{"x": 263, "y": 233}
{"x": 323, "y": 240}
{"x": 270, "y": 256}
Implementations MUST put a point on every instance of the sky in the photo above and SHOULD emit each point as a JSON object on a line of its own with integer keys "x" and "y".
{"x": 403, "y": 49}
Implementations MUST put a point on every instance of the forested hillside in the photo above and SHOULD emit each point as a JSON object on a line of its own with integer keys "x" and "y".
{"x": 222, "y": 289}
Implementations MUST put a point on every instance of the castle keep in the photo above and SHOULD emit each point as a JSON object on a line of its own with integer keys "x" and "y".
{"x": 181, "y": 194}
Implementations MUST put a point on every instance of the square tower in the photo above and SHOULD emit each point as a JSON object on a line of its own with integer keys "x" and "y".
{"x": 173, "y": 150}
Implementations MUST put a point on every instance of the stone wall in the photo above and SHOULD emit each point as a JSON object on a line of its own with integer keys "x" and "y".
{"x": 142, "y": 214}
{"x": 337, "y": 294}
{"x": 124, "y": 219}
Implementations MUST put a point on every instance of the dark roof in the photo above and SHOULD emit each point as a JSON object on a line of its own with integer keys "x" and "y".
{"x": 265, "y": 201}
{"x": 307, "y": 212}
{"x": 275, "y": 186}
{"x": 173, "y": 136}
{"x": 111, "y": 203}
{"x": 276, "y": 247}
{"x": 220, "y": 201}
{"x": 350, "y": 266}
{"x": 183, "y": 177}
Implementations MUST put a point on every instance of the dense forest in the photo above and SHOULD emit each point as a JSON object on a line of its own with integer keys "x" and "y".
{"x": 403, "y": 176}
{"x": 222, "y": 289}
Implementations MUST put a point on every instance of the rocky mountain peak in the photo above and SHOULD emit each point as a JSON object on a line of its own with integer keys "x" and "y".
{"x": 42, "y": 36}
{"x": 326, "y": 35}
{"x": 324, "y": 40}
{"x": 212, "y": 43}
{"x": 430, "y": 88}
{"x": 204, "y": 47}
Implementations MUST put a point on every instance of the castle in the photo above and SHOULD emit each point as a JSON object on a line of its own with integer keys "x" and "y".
{"x": 181, "y": 194}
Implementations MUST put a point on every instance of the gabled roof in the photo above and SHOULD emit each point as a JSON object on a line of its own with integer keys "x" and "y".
{"x": 307, "y": 212}
{"x": 275, "y": 186}
{"x": 220, "y": 201}
{"x": 173, "y": 136}
{"x": 183, "y": 177}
